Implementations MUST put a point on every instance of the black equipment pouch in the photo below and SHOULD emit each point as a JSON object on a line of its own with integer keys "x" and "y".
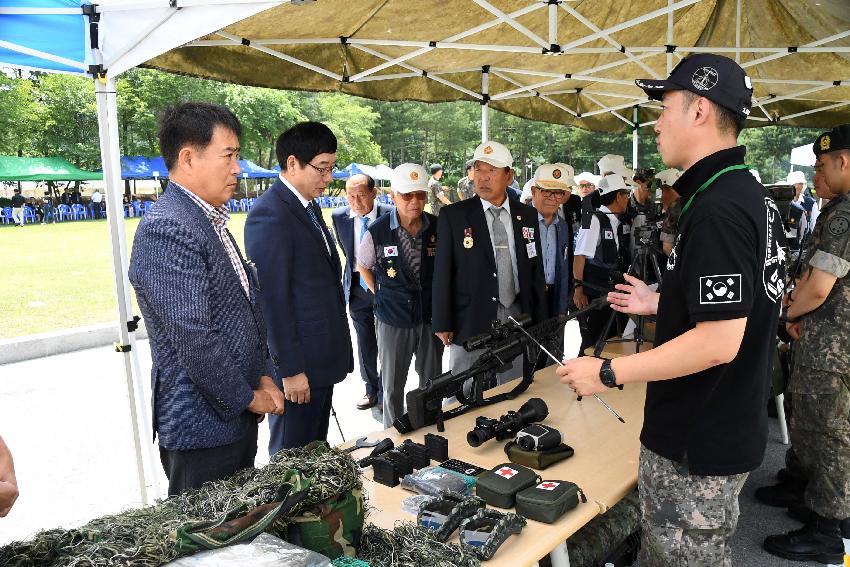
{"x": 499, "y": 486}
{"x": 538, "y": 460}
{"x": 548, "y": 500}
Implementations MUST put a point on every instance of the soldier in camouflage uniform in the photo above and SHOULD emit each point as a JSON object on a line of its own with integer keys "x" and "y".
{"x": 436, "y": 192}
{"x": 466, "y": 186}
{"x": 819, "y": 314}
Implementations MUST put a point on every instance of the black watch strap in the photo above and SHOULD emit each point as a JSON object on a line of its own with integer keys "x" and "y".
{"x": 606, "y": 374}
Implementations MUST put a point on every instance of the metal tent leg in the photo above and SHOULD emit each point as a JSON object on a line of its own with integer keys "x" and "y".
{"x": 107, "y": 118}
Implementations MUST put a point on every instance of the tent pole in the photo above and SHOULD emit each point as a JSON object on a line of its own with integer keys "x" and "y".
{"x": 635, "y": 134}
{"x": 669, "y": 36}
{"x": 485, "y": 103}
{"x": 107, "y": 118}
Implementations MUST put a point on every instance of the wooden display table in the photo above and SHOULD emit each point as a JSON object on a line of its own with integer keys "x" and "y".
{"x": 614, "y": 349}
{"x": 605, "y": 463}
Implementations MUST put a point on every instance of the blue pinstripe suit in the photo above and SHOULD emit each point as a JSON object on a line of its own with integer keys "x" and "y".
{"x": 207, "y": 336}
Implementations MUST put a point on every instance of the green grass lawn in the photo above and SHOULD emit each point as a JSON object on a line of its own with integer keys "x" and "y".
{"x": 58, "y": 276}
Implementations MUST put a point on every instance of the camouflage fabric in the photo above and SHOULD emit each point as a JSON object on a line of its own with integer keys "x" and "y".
{"x": 826, "y": 330}
{"x": 455, "y": 507}
{"x": 332, "y": 528}
{"x": 685, "y": 519}
{"x": 506, "y": 525}
{"x": 465, "y": 189}
{"x": 592, "y": 544}
{"x": 670, "y": 221}
{"x": 435, "y": 189}
{"x": 820, "y": 433}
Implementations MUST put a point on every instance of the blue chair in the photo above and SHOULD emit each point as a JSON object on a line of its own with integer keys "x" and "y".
{"x": 233, "y": 205}
{"x": 29, "y": 215}
{"x": 251, "y": 202}
{"x": 137, "y": 208}
{"x": 6, "y": 215}
{"x": 243, "y": 204}
{"x": 79, "y": 212}
{"x": 146, "y": 206}
{"x": 64, "y": 212}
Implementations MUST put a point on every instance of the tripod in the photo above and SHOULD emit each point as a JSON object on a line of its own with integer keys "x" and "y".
{"x": 646, "y": 255}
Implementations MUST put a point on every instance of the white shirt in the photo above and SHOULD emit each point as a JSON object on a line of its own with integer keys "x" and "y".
{"x": 305, "y": 203}
{"x": 588, "y": 238}
{"x": 96, "y": 197}
{"x": 509, "y": 228}
{"x": 358, "y": 223}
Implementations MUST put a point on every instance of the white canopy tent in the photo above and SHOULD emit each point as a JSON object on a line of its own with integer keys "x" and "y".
{"x": 562, "y": 61}
{"x": 803, "y": 155}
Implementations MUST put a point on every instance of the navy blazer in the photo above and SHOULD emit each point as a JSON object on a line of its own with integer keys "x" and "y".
{"x": 207, "y": 336}
{"x": 344, "y": 230}
{"x": 563, "y": 267}
{"x": 466, "y": 287}
{"x": 301, "y": 291}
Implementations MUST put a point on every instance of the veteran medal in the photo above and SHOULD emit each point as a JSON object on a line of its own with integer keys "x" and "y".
{"x": 467, "y": 238}
{"x": 391, "y": 272}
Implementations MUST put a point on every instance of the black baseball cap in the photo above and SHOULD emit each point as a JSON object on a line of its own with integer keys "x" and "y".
{"x": 717, "y": 78}
{"x": 836, "y": 139}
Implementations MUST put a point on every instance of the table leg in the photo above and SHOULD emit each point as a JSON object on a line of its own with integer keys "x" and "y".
{"x": 780, "y": 414}
{"x": 559, "y": 556}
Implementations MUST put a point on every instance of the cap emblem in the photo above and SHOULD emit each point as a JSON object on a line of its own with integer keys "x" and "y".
{"x": 824, "y": 143}
{"x": 704, "y": 78}
{"x": 488, "y": 149}
{"x": 748, "y": 82}
{"x": 414, "y": 176}
{"x": 556, "y": 174}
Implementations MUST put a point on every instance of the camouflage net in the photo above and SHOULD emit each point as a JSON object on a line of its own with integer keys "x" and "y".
{"x": 409, "y": 545}
{"x": 145, "y": 537}
{"x": 349, "y": 562}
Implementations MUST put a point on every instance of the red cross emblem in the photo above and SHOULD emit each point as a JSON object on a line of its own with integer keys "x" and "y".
{"x": 548, "y": 485}
{"x": 506, "y": 472}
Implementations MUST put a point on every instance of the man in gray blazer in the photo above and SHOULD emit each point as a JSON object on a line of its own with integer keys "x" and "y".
{"x": 210, "y": 375}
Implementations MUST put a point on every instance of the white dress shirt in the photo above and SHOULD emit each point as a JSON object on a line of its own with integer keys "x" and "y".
{"x": 509, "y": 228}
{"x": 305, "y": 203}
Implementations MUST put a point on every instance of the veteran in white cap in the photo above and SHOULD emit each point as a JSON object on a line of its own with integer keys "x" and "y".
{"x": 489, "y": 263}
{"x": 396, "y": 259}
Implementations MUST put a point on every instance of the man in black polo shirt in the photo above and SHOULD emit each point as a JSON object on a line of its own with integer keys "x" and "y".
{"x": 705, "y": 422}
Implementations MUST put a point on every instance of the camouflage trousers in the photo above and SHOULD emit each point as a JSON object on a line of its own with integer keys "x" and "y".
{"x": 686, "y": 520}
{"x": 820, "y": 432}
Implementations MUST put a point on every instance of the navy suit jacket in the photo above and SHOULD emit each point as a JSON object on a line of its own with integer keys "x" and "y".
{"x": 344, "y": 229}
{"x": 301, "y": 291}
{"x": 465, "y": 285}
{"x": 563, "y": 267}
{"x": 207, "y": 336}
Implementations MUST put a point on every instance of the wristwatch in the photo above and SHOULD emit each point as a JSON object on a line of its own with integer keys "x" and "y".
{"x": 606, "y": 374}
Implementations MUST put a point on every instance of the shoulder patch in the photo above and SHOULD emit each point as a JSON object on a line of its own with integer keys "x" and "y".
{"x": 838, "y": 225}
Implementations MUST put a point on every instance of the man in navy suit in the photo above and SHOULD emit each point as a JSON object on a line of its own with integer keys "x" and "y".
{"x": 487, "y": 263}
{"x": 210, "y": 381}
{"x": 350, "y": 224}
{"x": 300, "y": 276}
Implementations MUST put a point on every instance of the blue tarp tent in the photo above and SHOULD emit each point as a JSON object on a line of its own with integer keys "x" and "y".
{"x": 26, "y": 41}
{"x": 251, "y": 170}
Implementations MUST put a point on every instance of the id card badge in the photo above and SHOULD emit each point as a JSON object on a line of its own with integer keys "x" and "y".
{"x": 531, "y": 250}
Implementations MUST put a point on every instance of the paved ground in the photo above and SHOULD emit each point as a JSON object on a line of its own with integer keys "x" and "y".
{"x": 66, "y": 420}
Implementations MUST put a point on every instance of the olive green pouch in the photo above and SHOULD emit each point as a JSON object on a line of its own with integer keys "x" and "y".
{"x": 499, "y": 486}
{"x": 548, "y": 500}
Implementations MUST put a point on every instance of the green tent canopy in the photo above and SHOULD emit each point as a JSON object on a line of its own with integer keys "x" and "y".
{"x": 13, "y": 168}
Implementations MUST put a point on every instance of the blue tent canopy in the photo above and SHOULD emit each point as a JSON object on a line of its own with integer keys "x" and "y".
{"x": 28, "y": 43}
{"x": 251, "y": 170}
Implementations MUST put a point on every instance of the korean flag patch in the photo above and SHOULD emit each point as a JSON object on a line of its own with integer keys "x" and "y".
{"x": 720, "y": 289}
{"x": 390, "y": 251}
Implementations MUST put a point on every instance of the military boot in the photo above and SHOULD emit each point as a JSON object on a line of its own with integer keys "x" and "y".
{"x": 782, "y": 495}
{"x": 803, "y": 513}
{"x": 819, "y": 540}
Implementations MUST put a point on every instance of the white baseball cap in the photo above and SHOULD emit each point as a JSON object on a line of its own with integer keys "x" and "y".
{"x": 612, "y": 182}
{"x": 795, "y": 177}
{"x": 408, "y": 178}
{"x": 493, "y": 153}
{"x": 668, "y": 177}
{"x": 611, "y": 163}
{"x": 525, "y": 197}
{"x": 554, "y": 176}
{"x": 588, "y": 177}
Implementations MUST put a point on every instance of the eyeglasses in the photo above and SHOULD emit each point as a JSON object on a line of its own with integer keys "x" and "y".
{"x": 585, "y": 185}
{"x": 323, "y": 170}
{"x": 419, "y": 195}
{"x": 551, "y": 193}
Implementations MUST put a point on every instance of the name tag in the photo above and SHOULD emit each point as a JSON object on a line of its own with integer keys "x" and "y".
{"x": 390, "y": 251}
{"x": 432, "y": 250}
{"x": 531, "y": 250}
{"x": 609, "y": 235}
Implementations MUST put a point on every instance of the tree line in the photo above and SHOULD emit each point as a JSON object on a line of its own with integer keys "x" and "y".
{"x": 55, "y": 115}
